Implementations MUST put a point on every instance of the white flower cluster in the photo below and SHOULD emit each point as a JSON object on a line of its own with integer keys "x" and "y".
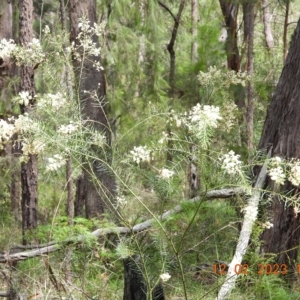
{"x": 6, "y": 130}
{"x": 22, "y": 124}
{"x": 56, "y": 101}
{"x": 166, "y": 174}
{"x": 222, "y": 78}
{"x": 165, "y": 277}
{"x": 276, "y": 171}
{"x": 29, "y": 54}
{"x": 294, "y": 176}
{"x": 121, "y": 201}
{"x": 7, "y": 47}
{"x": 231, "y": 163}
{"x": 204, "y": 116}
{"x": 68, "y": 129}
{"x": 23, "y": 98}
{"x": 46, "y": 30}
{"x": 85, "y": 37}
{"x": 277, "y": 175}
{"x": 164, "y": 138}
{"x": 33, "y": 147}
{"x": 229, "y": 112}
{"x": 140, "y": 154}
{"x": 25, "y": 124}
{"x": 267, "y": 225}
{"x": 55, "y": 163}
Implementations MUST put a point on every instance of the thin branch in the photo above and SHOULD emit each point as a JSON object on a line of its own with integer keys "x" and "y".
{"x": 168, "y": 10}
{"x": 44, "y": 249}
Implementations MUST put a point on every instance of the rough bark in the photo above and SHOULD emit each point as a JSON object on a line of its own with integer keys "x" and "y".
{"x": 267, "y": 25}
{"x": 29, "y": 168}
{"x": 230, "y": 12}
{"x": 285, "y": 28}
{"x": 79, "y": 197}
{"x": 281, "y": 130}
{"x": 99, "y": 182}
{"x": 134, "y": 286}
{"x": 248, "y": 14}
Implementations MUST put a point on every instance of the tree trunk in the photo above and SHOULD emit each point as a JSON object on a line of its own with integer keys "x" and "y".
{"x": 99, "y": 182}
{"x": 248, "y": 14}
{"x": 195, "y": 16}
{"x": 281, "y": 131}
{"x": 230, "y": 12}
{"x": 267, "y": 26}
{"x": 135, "y": 287}
{"x": 171, "y": 50}
{"x": 285, "y": 28}
{"x": 29, "y": 168}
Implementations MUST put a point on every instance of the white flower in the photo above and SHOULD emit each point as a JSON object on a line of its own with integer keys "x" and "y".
{"x": 267, "y": 225}
{"x": 140, "y": 154}
{"x": 294, "y": 177}
{"x": 277, "y": 175}
{"x": 164, "y": 138}
{"x": 231, "y": 163}
{"x": 7, "y": 47}
{"x": 121, "y": 200}
{"x": 56, "y": 101}
{"x": 165, "y": 173}
{"x": 34, "y": 147}
{"x": 25, "y": 124}
{"x": 55, "y": 163}
{"x": 6, "y": 130}
{"x": 165, "y": 277}
{"x": 24, "y": 98}
{"x": 205, "y": 116}
{"x": 46, "y": 30}
{"x": 68, "y": 129}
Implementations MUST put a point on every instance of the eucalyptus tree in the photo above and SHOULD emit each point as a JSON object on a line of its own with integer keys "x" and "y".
{"x": 281, "y": 134}
{"x": 29, "y": 170}
{"x": 98, "y": 180}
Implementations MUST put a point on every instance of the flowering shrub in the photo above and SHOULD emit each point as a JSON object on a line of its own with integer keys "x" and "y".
{"x": 231, "y": 163}
{"x": 140, "y": 154}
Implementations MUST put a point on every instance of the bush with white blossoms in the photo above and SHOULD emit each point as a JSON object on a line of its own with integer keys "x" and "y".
{"x": 7, "y": 47}
{"x": 294, "y": 176}
{"x": 276, "y": 171}
{"x": 23, "y": 98}
{"x": 231, "y": 163}
{"x": 166, "y": 174}
{"x": 202, "y": 116}
{"x": 140, "y": 154}
{"x": 6, "y": 130}
{"x": 55, "y": 162}
{"x": 277, "y": 175}
{"x": 55, "y": 101}
{"x": 222, "y": 78}
{"x": 68, "y": 129}
{"x": 32, "y": 147}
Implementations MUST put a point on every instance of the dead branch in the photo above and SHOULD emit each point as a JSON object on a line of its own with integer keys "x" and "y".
{"x": 45, "y": 249}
